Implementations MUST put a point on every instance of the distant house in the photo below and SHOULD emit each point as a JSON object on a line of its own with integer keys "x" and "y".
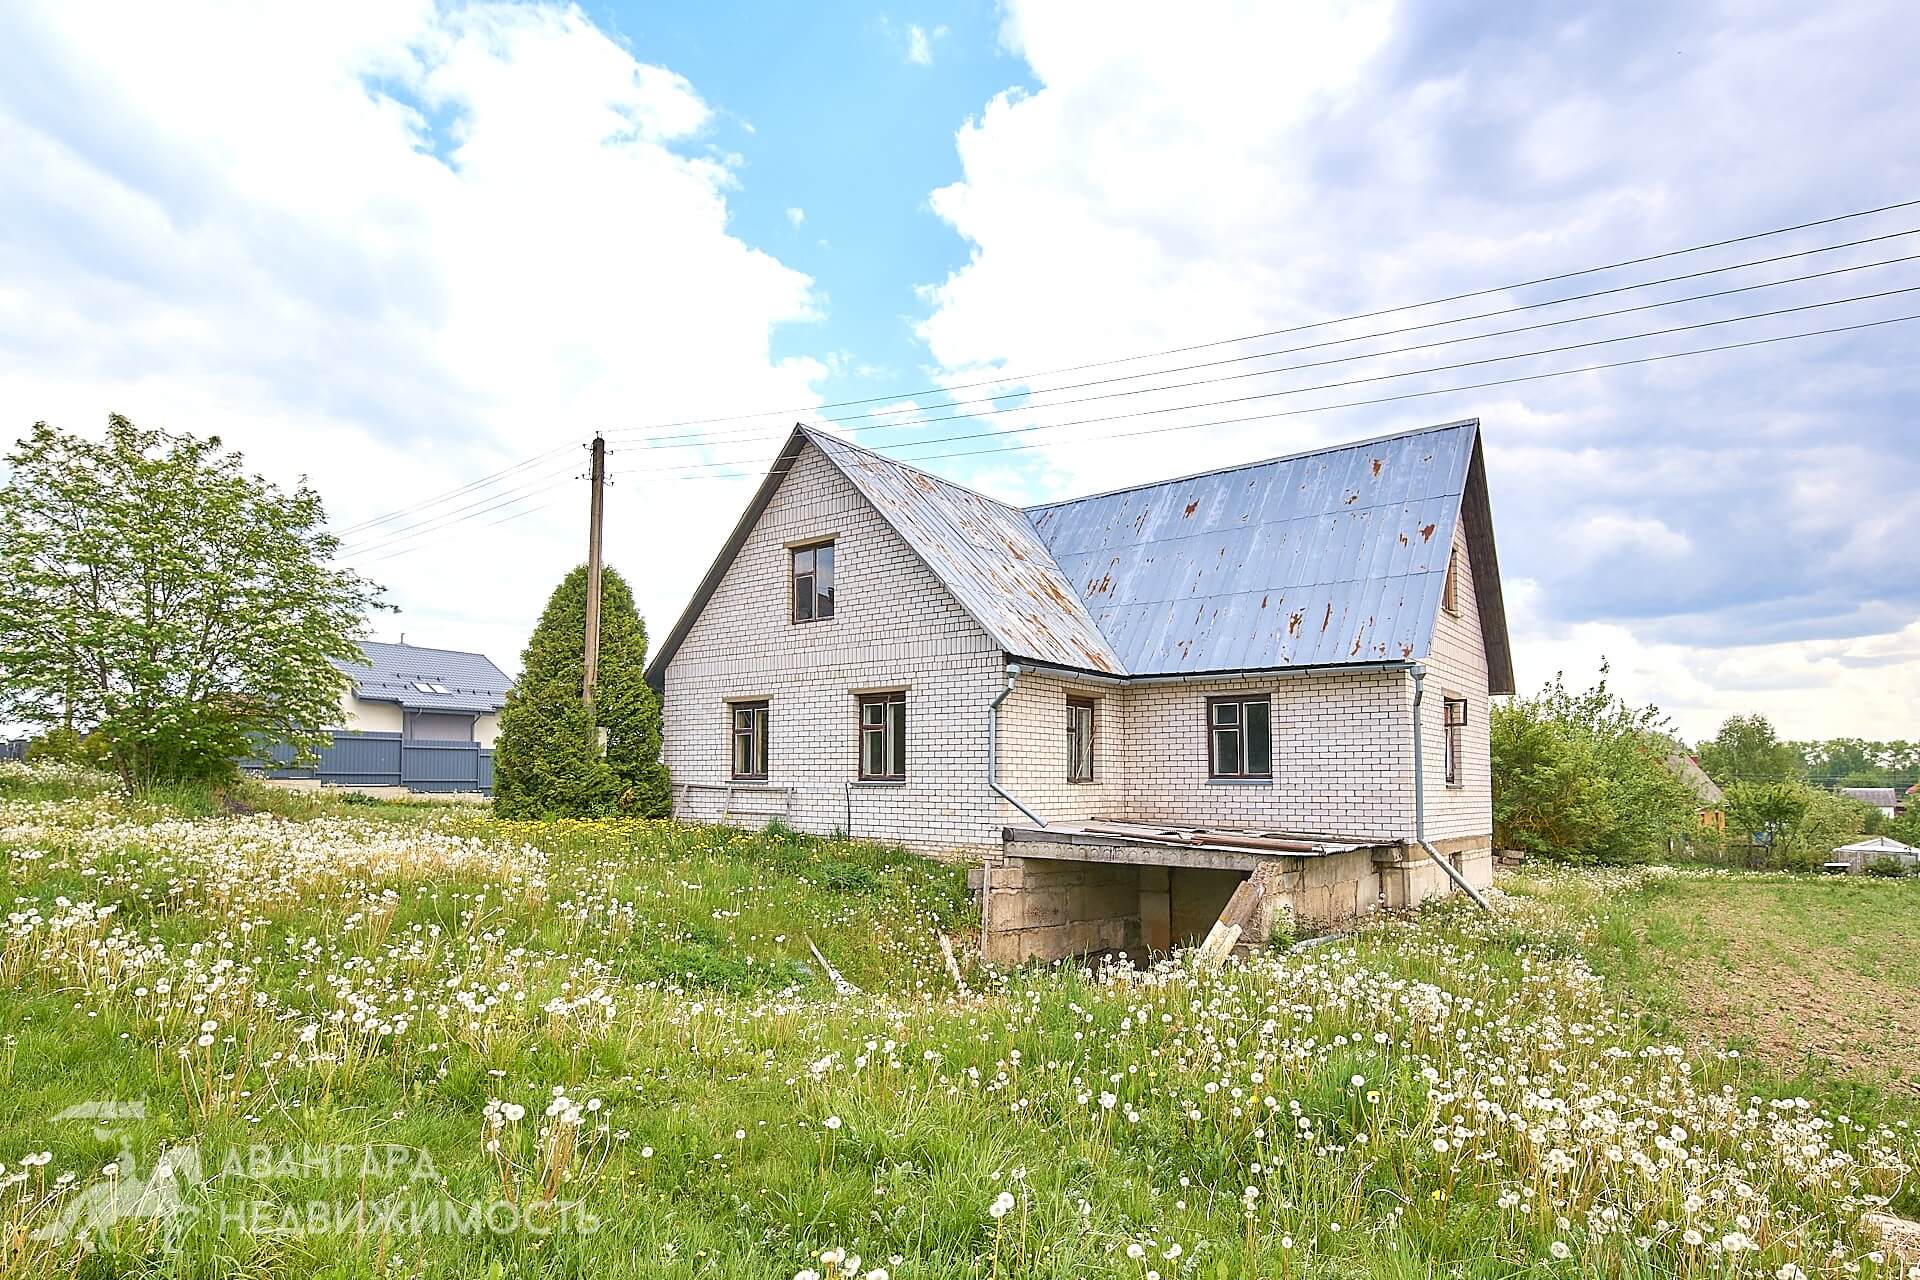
{"x": 1885, "y": 799}
{"x": 410, "y": 716}
{"x": 1712, "y": 801}
{"x": 1857, "y": 857}
{"x": 439, "y": 695}
{"x": 1243, "y": 660}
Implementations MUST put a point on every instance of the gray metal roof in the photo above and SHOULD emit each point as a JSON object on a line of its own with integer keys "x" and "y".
{"x": 987, "y": 555}
{"x": 1335, "y": 557}
{"x": 1328, "y": 558}
{"x": 393, "y": 672}
{"x": 1880, "y": 797}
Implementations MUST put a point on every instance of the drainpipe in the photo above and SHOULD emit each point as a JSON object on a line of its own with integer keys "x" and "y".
{"x": 993, "y": 748}
{"x": 1420, "y": 799}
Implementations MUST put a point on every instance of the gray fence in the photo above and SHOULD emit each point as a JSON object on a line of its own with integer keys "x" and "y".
{"x": 388, "y": 760}
{"x": 13, "y": 749}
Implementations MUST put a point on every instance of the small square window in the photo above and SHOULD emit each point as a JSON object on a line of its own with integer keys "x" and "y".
{"x": 813, "y": 582}
{"x": 1240, "y": 737}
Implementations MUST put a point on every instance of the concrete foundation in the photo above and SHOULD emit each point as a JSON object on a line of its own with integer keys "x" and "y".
{"x": 1051, "y": 897}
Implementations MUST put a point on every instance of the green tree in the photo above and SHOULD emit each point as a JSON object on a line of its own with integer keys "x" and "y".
{"x": 1789, "y": 825}
{"x": 155, "y": 594}
{"x": 1747, "y": 750}
{"x": 1583, "y": 776}
{"x": 548, "y": 760}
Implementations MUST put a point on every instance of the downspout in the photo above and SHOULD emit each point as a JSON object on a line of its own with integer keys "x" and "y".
{"x": 1420, "y": 799}
{"x": 993, "y": 748}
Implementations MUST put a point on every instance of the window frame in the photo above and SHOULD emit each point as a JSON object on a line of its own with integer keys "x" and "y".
{"x": 1452, "y": 740}
{"x": 812, "y": 576}
{"x": 758, "y": 732}
{"x": 1238, "y": 726}
{"x": 1450, "y": 589}
{"x": 890, "y": 728}
{"x": 1090, "y": 708}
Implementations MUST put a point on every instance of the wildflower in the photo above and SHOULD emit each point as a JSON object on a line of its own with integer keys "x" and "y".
{"x": 1001, "y": 1203}
{"x": 832, "y": 1122}
{"x": 1560, "y": 1250}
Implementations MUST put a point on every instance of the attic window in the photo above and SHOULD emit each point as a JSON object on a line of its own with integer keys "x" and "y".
{"x": 430, "y": 686}
{"x": 813, "y": 582}
{"x": 1450, "y": 593}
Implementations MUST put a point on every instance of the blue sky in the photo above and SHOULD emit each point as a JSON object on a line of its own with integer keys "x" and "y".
{"x": 833, "y": 117}
{"x": 399, "y": 246}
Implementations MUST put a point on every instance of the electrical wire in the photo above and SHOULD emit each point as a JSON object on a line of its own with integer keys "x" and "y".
{"x": 698, "y": 439}
{"x": 691, "y": 467}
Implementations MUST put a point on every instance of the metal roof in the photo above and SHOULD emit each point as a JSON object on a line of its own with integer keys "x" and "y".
{"x": 1331, "y": 558}
{"x": 1327, "y": 558}
{"x": 394, "y": 672}
{"x": 985, "y": 552}
{"x": 1881, "y": 797}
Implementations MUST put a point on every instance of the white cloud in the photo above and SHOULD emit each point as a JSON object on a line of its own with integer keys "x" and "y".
{"x": 395, "y": 250}
{"x": 920, "y": 42}
{"x": 796, "y": 216}
{"x": 1252, "y": 167}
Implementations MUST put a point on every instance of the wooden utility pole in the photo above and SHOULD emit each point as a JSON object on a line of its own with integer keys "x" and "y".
{"x": 596, "y": 505}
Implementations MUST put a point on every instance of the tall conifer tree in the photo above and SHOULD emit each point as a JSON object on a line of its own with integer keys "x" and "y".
{"x": 548, "y": 762}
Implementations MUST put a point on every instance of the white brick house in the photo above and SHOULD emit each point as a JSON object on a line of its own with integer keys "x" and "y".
{"x": 1236, "y": 649}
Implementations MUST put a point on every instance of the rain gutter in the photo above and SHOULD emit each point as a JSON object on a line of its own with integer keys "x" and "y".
{"x": 993, "y": 751}
{"x": 1420, "y": 799}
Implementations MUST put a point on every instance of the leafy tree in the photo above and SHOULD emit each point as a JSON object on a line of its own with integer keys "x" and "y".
{"x": 548, "y": 760}
{"x": 1802, "y": 825}
{"x": 154, "y": 593}
{"x": 1583, "y": 776}
{"x": 1747, "y": 750}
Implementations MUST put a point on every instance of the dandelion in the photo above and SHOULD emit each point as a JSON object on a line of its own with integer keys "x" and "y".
{"x": 1560, "y": 1250}
{"x": 1001, "y": 1204}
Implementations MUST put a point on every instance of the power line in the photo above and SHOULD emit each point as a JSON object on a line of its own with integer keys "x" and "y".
{"x": 451, "y": 493}
{"x": 1410, "y": 395}
{"x": 1269, "y": 416}
{"x": 479, "y": 506}
{"x": 686, "y": 468}
{"x": 1299, "y": 328}
{"x": 493, "y": 478}
{"x": 696, "y": 439}
{"x": 486, "y": 503}
{"x": 449, "y": 519}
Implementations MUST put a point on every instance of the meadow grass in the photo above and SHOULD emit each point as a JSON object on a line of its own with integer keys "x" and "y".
{"x": 616, "y": 1040}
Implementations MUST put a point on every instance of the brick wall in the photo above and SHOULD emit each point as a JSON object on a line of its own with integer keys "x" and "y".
{"x": 1457, "y": 668}
{"x": 894, "y": 627}
{"x": 1342, "y": 749}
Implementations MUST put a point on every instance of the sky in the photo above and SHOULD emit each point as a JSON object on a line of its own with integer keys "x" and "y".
{"x": 402, "y": 248}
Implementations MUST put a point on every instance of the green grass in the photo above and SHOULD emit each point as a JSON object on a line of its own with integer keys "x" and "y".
{"x": 1816, "y": 979}
{"x": 1447, "y": 1095}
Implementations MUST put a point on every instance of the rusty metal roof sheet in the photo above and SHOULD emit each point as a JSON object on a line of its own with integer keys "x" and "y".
{"x": 1331, "y": 558}
{"x": 985, "y": 552}
{"x": 1319, "y": 559}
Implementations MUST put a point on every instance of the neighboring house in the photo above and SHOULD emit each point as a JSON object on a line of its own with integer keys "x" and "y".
{"x": 1885, "y": 799}
{"x": 1226, "y": 659}
{"x": 415, "y": 717}
{"x": 1857, "y": 857}
{"x": 1712, "y": 801}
